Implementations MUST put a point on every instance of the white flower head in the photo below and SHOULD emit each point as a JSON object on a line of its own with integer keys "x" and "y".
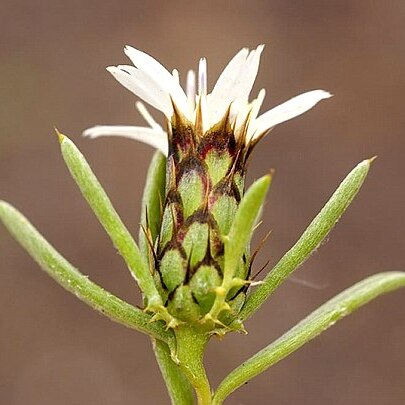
{"x": 229, "y": 99}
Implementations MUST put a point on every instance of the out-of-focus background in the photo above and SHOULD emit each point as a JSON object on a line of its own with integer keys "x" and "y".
{"x": 55, "y": 350}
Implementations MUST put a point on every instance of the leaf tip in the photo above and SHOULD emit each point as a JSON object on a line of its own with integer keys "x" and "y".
{"x": 270, "y": 173}
{"x": 60, "y": 136}
{"x": 267, "y": 178}
{"x": 371, "y": 160}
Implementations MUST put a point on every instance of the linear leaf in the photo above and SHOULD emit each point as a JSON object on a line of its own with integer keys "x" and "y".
{"x": 310, "y": 327}
{"x": 310, "y": 240}
{"x": 237, "y": 239}
{"x": 108, "y": 217}
{"x": 72, "y": 280}
{"x": 243, "y": 224}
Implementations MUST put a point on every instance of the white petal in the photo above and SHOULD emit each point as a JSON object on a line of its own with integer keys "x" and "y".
{"x": 290, "y": 109}
{"x": 147, "y": 63}
{"x": 235, "y": 82}
{"x": 226, "y": 88}
{"x": 147, "y": 116}
{"x": 176, "y": 75}
{"x": 142, "y": 86}
{"x": 151, "y": 88}
{"x": 204, "y": 113}
{"x": 190, "y": 89}
{"x": 202, "y": 77}
{"x": 250, "y": 71}
{"x": 256, "y": 105}
{"x": 151, "y": 67}
{"x": 229, "y": 75}
{"x": 240, "y": 109}
{"x": 157, "y": 139}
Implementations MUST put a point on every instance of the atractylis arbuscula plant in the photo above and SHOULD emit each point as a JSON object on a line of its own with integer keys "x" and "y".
{"x": 193, "y": 262}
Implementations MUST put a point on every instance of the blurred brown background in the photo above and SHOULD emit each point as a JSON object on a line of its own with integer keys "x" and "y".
{"x": 55, "y": 350}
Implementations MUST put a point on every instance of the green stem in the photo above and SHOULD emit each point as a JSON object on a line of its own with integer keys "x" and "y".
{"x": 191, "y": 345}
{"x": 180, "y": 390}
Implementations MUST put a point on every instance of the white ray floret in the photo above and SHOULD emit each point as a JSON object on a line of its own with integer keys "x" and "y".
{"x": 176, "y": 75}
{"x": 235, "y": 82}
{"x": 155, "y": 85}
{"x": 290, "y": 109}
{"x": 202, "y": 77}
{"x": 191, "y": 90}
{"x": 147, "y": 116}
{"x": 152, "y": 137}
{"x": 254, "y": 111}
{"x": 143, "y": 86}
{"x": 257, "y": 104}
{"x": 159, "y": 74}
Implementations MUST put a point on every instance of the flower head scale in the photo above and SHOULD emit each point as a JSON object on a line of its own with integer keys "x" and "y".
{"x": 155, "y": 85}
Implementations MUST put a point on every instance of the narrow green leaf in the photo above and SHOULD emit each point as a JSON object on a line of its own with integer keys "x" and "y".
{"x": 72, "y": 280}
{"x": 310, "y": 327}
{"x": 153, "y": 198}
{"x": 178, "y": 386}
{"x": 313, "y": 236}
{"x": 108, "y": 217}
{"x": 243, "y": 224}
{"x": 236, "y": 241}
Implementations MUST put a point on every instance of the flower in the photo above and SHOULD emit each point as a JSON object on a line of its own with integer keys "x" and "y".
{"x": 154, "y": 84}
{"x": 201, "y": 277}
